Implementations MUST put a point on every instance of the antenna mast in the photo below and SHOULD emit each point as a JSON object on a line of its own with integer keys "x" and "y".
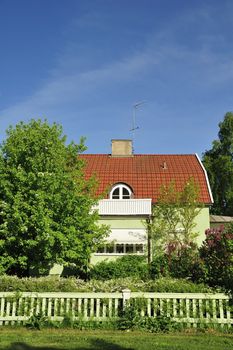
{"x": 134, "y": 127}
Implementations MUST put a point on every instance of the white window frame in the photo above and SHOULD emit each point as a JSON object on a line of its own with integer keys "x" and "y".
{"x": 121, "y": 187}
{"x": 133, "y": 248}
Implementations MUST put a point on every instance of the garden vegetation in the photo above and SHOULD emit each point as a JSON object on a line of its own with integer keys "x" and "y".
{"x": 46, "y": 218}
{"x": 45, "y": 202}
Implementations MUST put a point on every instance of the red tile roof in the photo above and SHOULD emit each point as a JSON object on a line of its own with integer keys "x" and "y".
{"x": 146, "y": 173}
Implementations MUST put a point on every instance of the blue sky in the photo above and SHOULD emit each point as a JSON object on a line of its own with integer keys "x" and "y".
{"x": 85, "y": 63}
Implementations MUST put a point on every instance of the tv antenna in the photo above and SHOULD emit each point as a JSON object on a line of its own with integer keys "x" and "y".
{"x": 136, "y": 106}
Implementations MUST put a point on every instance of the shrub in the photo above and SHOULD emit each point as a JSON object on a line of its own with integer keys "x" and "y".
{"x": 179, "y": 261}
{"x": 184, "y": 262}
{"x": 53, "y": 284}
{"x": 131, "y": 318}
{"x": 176, "y": 285}
{"x": 159, "y": 267}
{"x": 41, "y": 284}
{"x": 38, "y": 321}
{"x": 217, "y": 255}
{"x": 126, "y": 266}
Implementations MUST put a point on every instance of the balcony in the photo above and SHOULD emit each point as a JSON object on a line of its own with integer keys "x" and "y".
{"x": 124, "y": 207}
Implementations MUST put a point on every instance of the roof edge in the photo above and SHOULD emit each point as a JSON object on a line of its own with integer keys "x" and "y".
{"x": 206, "y": 177}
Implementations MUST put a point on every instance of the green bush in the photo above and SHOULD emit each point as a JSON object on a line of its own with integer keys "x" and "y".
{"x": 176, "y": 285}
{"x": 40, "y": 284}
{"x": 126, "y": 266}
{"x": 217, "y": 256}
{"x": 159, "y": 267}
{"x": 38, "y": 321}
{"x": 182, "y": 262}
{"x": 55, "y": 284}
{"x": 131, "y": 318}
{"x": 185, "y": 263}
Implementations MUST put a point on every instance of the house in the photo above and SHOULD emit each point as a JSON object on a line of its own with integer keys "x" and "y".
{"x": 131, "y": 183}
{"x": 219, "y": 220}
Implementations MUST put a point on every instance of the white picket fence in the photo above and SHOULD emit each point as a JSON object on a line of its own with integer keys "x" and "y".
{"x": 189, "y": 308}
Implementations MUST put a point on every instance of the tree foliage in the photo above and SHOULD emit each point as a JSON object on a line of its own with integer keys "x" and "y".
{"x": 218, "y": 162}
{"x": 173, "y": 221}
{"x": 45, "y": 201}
{"x": 217, "y": 256}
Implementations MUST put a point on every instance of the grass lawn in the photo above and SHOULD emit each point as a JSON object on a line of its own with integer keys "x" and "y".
{"x": 23, "y": 339}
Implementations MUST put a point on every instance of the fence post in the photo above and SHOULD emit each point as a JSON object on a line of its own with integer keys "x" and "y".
{"x": 126, "y": 293}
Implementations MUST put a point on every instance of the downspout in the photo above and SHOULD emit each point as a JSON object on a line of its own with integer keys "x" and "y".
{"x": 149, "y": 240}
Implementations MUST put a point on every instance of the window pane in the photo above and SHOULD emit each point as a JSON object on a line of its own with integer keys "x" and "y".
{"x": 126, "y": 197}
{"x": 119, "y": 248}
{"x": 100, "y": 249}
{"x": 125, "y": 193}
{"x": 139, "y": 248}
{"x": 116, "y": 193}
{"x": 110, "y": 248}
{"x": 129, "y": 248}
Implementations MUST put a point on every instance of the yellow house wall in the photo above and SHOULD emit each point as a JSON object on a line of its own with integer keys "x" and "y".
{"x": 118, "y": 222}
{"x": 123, "y": 222}
{"x": 202, "y": 223}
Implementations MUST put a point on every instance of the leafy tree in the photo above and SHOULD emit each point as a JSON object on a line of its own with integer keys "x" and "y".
{"x": 219, "y": 165}
{"x": 45, "y": 201}
{"x": 172, "y": 226}
{"x": 217, "y": 256}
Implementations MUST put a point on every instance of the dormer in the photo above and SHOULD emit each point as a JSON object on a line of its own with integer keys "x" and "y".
{"x": 121, "y": 191}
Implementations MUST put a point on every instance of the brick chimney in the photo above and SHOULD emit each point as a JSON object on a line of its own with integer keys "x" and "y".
{"x": 122, "y": 148}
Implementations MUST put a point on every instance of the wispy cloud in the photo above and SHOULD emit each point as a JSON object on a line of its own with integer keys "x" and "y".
{"x": 73, "y": 86}
{"x": 164, "y": 52}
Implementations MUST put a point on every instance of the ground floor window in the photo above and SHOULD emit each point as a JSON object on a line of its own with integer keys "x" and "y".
{"x": 122, "y": 248}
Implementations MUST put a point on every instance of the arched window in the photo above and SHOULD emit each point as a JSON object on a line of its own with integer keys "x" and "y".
{"x": 121, "y": 191}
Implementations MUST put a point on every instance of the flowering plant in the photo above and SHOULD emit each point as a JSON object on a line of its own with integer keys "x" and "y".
{"x": 217, "y": 254}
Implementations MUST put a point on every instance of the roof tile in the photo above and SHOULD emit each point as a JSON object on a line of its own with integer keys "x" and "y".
{"x": 145, "y": 174}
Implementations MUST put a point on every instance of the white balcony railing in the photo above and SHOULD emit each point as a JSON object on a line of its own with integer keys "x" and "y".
{"x": 124, "y": 207}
